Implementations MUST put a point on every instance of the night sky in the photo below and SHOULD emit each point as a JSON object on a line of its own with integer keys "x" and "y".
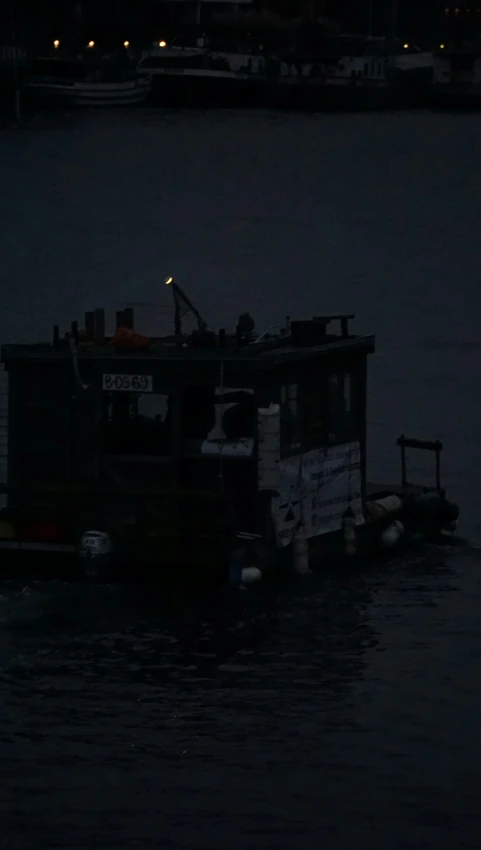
{"x": 142, "y": 20}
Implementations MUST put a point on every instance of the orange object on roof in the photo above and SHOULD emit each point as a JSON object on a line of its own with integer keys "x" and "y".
{"x": 127, "y": 338}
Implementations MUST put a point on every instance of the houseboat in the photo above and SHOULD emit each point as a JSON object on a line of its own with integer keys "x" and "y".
{"x": 456, "y": 80}
{"x": 77, "y": 82}
{"x": 202, "y": 454}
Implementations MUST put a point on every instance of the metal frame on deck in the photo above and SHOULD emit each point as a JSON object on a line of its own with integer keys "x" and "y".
{"x": 425, "y": 445}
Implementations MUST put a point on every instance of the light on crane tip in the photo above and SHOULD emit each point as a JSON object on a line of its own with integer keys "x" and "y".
{"x": 405, "y": 46}
{"x": 56, "y": 43}
{"x": 162, "y": 44}
{"x": 91, "y": 44}
{"x": 168, "y": 280}
{"x": 126, "y": 43}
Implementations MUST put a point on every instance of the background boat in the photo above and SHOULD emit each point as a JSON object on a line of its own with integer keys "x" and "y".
{"x": 200, "y": 73}
{"x": 456, "y": 82}
{"x": 76, "y": 82}
{"x": 351, "y": 73}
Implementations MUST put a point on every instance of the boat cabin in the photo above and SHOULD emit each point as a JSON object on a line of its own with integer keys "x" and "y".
{"x": 179, "y": 436}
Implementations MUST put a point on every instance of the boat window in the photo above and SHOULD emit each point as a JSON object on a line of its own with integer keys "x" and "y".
{"x": 290, "y": 420}
{"x": 138, "y": 424}
{"x": 330, "y": 409}
{"x": 215, "y": 421}
{"x": 343, "y": 419}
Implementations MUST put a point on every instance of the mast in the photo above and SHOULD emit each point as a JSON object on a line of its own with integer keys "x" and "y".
{"x": 393, "y": 14}
{"x": 370, "y": 15}
{"x": 16, "y": 87}
{"x": 183, "y": 305}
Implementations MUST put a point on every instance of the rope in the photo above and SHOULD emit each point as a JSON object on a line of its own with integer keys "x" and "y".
{"x": 349, "y": 467}
{"x": 76, "y": 370}
{"x": 300, "y": 487}
{"x": 221, "y": 458}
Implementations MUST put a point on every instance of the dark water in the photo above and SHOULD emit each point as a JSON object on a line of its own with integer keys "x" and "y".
{"x": 337, "y": 712}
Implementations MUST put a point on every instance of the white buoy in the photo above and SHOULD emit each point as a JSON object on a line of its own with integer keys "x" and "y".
{"x": 381, "y": 508}
{"x": 392, "y": 534}
{"x": 250, "y": 575}
{"x": 95, "y": 552}
{"x": 300, "y": 547}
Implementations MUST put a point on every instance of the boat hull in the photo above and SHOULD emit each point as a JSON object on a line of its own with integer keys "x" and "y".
{"x": 204, "y": 89}
{"x": 88, "y": 95}
{"x": 202, "y": 562}
{"x": 455, "y": 97}
{"x": 399, "y": 91}
{"x": 331, "y": 97}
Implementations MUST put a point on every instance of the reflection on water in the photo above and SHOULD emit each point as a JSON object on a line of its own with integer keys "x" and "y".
{"x": 335, "y": 706}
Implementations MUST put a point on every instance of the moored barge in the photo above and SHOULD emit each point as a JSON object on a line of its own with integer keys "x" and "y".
{"x": 208, "y": 454}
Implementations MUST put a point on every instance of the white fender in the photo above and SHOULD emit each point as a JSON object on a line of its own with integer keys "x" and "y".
{"x": 250, "y": 575}
{"x": 392, "y": 534}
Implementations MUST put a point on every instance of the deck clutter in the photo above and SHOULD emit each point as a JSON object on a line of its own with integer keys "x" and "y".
{"x": 207, "y": 454}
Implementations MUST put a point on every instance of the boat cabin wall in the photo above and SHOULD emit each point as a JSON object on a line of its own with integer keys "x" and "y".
{"x": 191, "y": 429}
{"x": 324, "y": 407}
{"x": 39, "y": 425}
{"x": 322, "y": 404}
{"x": 151, "y": 426}
{"x": 134, "y": 427}
{"x": 312, "y": 448}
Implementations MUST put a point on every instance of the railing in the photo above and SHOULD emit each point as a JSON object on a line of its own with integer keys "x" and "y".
{"x": 425, "y": 445}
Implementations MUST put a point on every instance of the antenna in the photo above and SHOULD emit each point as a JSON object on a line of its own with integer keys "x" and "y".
{"x": 183, "y": 305}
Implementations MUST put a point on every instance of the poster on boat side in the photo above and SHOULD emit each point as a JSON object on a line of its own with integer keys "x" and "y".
{"x": 327, "y": 481}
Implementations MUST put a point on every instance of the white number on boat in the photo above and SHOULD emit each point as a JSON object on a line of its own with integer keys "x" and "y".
{"x": 127, "y": 383}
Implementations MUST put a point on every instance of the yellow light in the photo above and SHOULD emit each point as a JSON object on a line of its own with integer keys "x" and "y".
{"x": 405, "y": 46}
{"x": 91, "y": 44}
{"x": 168, "y": 280}
{"x": 126, "y": 43}
{"x": 56, "y": 43}
{"x": 441, "y": 46}
{"x": 162, "y": 44}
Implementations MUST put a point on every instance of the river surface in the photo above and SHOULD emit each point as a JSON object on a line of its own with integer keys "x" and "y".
{"x": 337, "y": 711}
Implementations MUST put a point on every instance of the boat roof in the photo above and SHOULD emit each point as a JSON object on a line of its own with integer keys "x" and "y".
{"x": 303, "y": 340}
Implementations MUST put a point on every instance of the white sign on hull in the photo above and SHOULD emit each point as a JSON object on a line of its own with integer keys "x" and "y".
{"x": 318, "y": 486}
